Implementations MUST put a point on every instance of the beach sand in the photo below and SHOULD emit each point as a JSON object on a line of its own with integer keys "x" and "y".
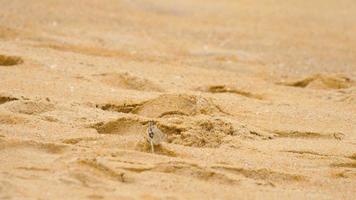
{"x": 257, "y": 99}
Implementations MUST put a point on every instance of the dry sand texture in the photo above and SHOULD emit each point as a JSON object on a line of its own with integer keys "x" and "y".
{"x": 257, "y": 99}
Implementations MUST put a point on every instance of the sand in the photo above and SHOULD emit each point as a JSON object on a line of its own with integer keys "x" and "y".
{"x": 257, "y": 99}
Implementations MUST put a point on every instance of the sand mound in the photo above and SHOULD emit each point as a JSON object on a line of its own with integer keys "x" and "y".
{"x": 176, "y": 104}
{"x": 321, "y": 81}
{"x": 167, "y": 105}
{"x": 198, "y": 131}
{"x": 120, "y": 126}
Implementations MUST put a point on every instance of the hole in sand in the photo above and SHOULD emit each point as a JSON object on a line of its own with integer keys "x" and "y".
{"x": 4, "y": 99}
{"x": 10, "y": 60}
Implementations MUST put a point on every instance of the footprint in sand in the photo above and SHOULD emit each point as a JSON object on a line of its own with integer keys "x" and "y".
{"x": 233, "y": 90}
{"x": 321, "y": 81}
{"x": 128, "y": 81}
{"x": 10, "y": 60}
{"x": 29, "y": 107}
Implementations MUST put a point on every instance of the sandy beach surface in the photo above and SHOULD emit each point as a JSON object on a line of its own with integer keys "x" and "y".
{"x": 257, "y": 99}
